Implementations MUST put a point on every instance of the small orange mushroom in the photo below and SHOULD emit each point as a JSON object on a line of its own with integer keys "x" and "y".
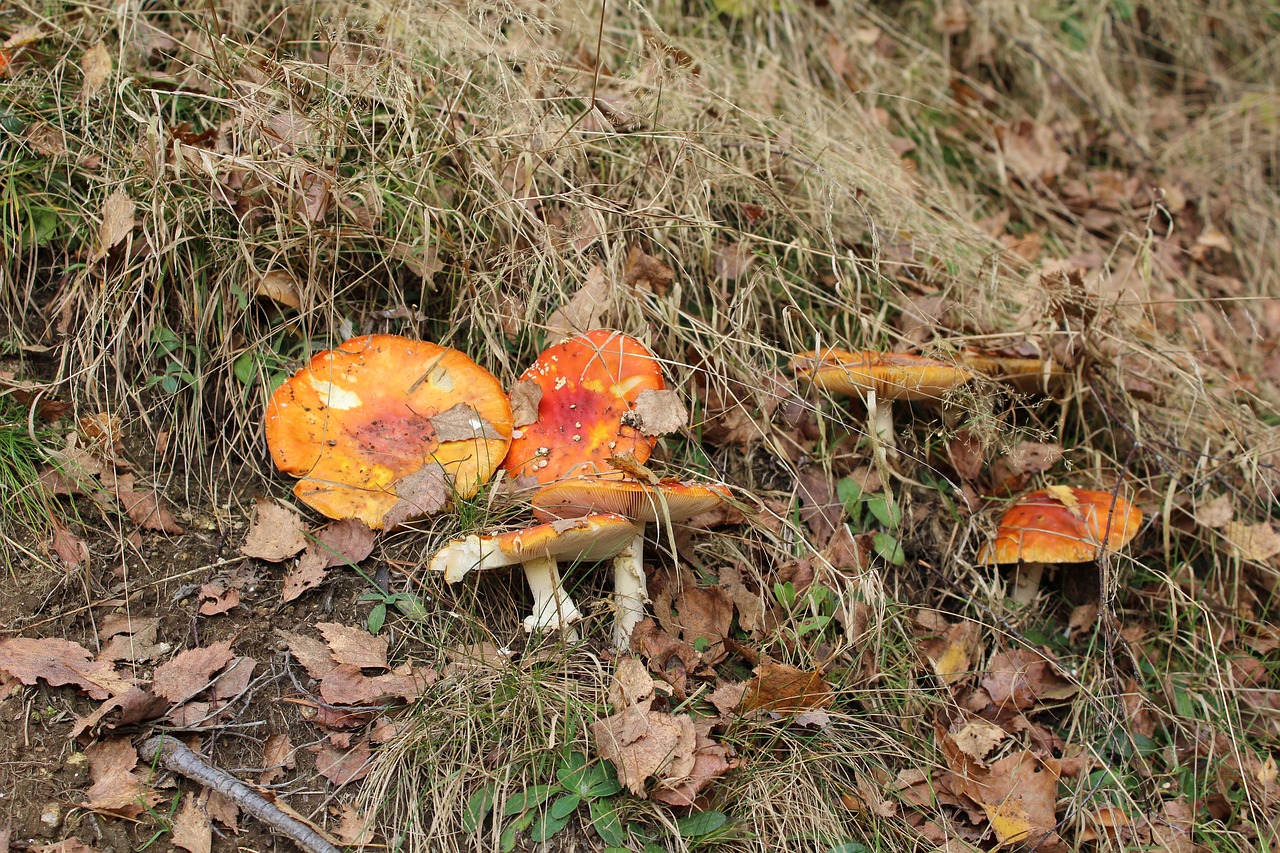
{"x": 880, "y": 379}
{"x": 587, "y": 389}
{"x": 591, "y": 538}
{"x": 666, "y": 501}
{"x": 1060, "y": 524}
{"x": 384, "y": 429}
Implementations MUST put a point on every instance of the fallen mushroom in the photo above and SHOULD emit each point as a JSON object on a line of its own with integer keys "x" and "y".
{"x": 880, "y": 379}
{"x": 665, "y": 501}
{"x": 384, "y": 428}
{"x": 1060, "y": 524}
{"x": 1026, "y": 374}
{"x": 589, "y": 539}
{"x": 586, "y": 391}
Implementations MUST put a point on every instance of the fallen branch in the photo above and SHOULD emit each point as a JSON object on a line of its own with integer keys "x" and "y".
{"x": 177, "y": 758}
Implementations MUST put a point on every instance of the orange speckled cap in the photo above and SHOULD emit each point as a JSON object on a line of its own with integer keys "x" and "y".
{"x": 360, "y": 420}
{"x": 1062, "y": 525}
{"x": 892, "y": 375}
{"x": 589, "y": 385}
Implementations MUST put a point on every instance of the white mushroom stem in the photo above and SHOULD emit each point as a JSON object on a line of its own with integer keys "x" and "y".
{"x": 630, "y": 589}
{"x": 880, "y": 419}
{"x": 1026, "y": 582}
{"x": 552, "y": 607}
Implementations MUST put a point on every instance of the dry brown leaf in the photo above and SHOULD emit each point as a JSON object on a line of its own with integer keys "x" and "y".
{"x": 277, "y": 757}
{"x": 734, "y": 260}
{"x": 819, "y": 506}
{"x": 354, "y": 829}
{"x": 726, "y": 698}
{"x": 146, "y": 509}
{"x": 782, "y": 687}
{"x": 705, "y": 614}
{"x": 96, "y": 66}
{"x": 191, "y": 827}
{"x": 347, "y": 685}
{"x": 348, "y": 540}
{"x": 1019, "y": 679}
{"x": 59, "y": 662}
{"x": 341, "y": 767}
{"x": 1254, "y": 542}
{"x": 1019, "y": 794}
{"x": 711, "y": 760}
{"x": 310, "y": 652}
{"x": 234, "y": 679}
{"x": 129, "y": 638}
{"x": 280, "y": 287}
{"x": 278, "y": 533}
{"x": 1082, "y": 618}
{"x": 977, "y": 737}
{"x": 424, "y": 492}
{"x": 70, "y": 548}
{"x": 525, "y": 397}
{"x": 750, "y": 605}
{"x": 631, "y": 684}
{"x": 1215, "y": 512}
{"x": 66, "y": 845}
{"x": 659, "y": 412}
{"x": 115, "y": 788}
{"x": 305, "y": 575}
{"x": 221, "y": 809}
{"x": 642, "y": 743}
{"x": 1031, "y": 152}
{"x": 190, "y": 671}
{"x": 585, "y": 309}
{"x": 355, "y": 646}
{"x": 215, "y": 600}
{"x": 117, "y": 222}
{"x": 647, "y": 273}
{"x": 952, "y": 654}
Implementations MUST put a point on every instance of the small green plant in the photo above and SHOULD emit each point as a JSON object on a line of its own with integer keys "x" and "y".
{"x": 544, "y": 810}
{"x": 24, "y": 498}
{"x": 819, "y": 602}
{"x": 888, "y": 513}
{"x": 176, "y": 356}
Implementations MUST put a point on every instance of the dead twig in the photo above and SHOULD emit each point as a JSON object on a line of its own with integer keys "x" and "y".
{"x": 177, "y": 758}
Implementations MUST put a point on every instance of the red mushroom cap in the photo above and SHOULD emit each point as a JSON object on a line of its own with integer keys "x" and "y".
{"x": 589, "y": 386}
{"x": 1062, "y": 525}
{"x": 384, "y": 428}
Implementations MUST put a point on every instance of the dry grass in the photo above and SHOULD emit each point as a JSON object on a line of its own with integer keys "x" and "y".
{"x": 477, "y": 161}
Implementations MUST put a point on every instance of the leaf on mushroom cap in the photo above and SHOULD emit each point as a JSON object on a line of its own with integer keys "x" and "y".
{"x": 589, "y": 386}
{"x": 637, "y": 501}
{"x": 367, "y": 416}
{"x": 1045, "y": 528}
{"x": 591, "y": 538}
{"x": 892, "y": 375}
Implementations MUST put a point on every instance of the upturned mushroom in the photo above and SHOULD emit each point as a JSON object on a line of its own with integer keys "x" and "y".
{"x": 538, "y": 549}
{"x": 384, "y": 429}
{"x": 1060, "y": 524}
{"x": 588, "y": 393}
{"x": 880, "y": 379}
{"x": 665, "y": 501}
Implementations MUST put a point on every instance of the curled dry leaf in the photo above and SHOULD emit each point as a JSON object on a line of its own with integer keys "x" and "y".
{"x": 1215, "y": 512}
{"x": 642, "y": 743}
{"x": 277, "y": 757}
{"x": 146, "y": 509}
{"x": 647, "y": 273}
{"x": 115, "y": 788}
{"x": 525, "y": 398}
{"x": 1021, "y": 678}
{"x": 215, "y": 600}
{"x": 585, "y": 309}
{"x": 341, "y": 767}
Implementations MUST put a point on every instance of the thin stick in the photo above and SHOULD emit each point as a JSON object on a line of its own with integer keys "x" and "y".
{"x": 177, "y": 758}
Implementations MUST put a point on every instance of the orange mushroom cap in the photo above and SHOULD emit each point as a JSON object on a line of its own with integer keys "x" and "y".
{"x": 891, "y": 375}
{"x": 666, "y": 499}
{"x": 589, "y": 384}
{"x": 384, "y": 428}
{"x": 589, "y": 538}
{"x": 1062, "y": 525}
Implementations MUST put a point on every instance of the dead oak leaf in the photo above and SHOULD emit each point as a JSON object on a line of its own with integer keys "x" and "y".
{"x": 355, "y": 646}
{"x": 277, "y": 757}
{"x": 1253, "y": 542}
{"x": 348, "y": 540}
{"x": 278, "y": 533}
{"x": 1019, "y": 679}
{"x": 585, "y": 310}
{"x": 147, "y": 510}
{"x": 192, "y": 830}
{"x": 215, "y": 600}
{"x": 1019, "y": 795}
{"x": 96, "y": 67}
{"x": 646, "y": 273}
{"x": 190, "y": 671}
{"x": 525, "y": 398}
{"x": 70, "y": 548}
{"x": 310, "y": 652}
{"x": 711, "y": 760}
{"x": 60, "y": 662}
